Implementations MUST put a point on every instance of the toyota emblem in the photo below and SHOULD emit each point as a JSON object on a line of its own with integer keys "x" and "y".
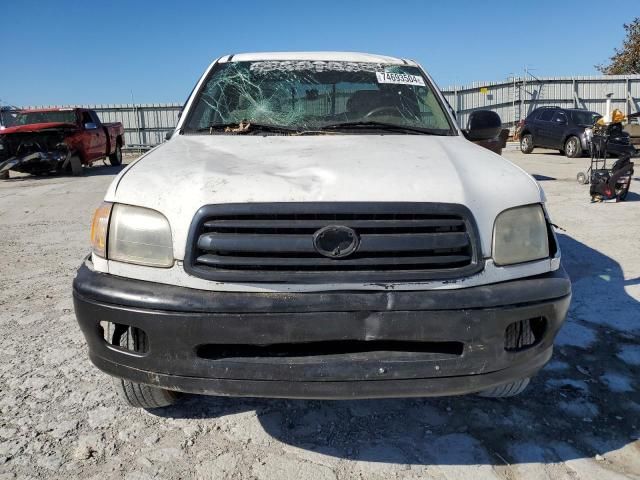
{"x": 336, "y": 241}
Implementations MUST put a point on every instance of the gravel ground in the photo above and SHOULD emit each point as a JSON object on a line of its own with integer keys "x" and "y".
{"x": 580, "y": 418}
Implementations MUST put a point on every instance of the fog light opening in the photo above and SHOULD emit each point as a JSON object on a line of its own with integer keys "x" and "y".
{"x": 524, "y": 334}
{"x": 124, "y": 337}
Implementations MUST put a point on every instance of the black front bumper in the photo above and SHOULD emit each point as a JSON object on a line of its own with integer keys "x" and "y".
{"x": 271, "y": 344}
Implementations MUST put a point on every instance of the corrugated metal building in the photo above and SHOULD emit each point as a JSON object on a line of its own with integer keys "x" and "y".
{"x": 146, "y": 125}
{"x": 516, "y": 98}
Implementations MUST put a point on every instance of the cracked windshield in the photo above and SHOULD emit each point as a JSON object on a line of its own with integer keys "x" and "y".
{"x": 308, "y": 97}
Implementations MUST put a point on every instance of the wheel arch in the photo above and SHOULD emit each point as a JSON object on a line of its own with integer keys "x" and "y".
{"x": 569, "y": 134}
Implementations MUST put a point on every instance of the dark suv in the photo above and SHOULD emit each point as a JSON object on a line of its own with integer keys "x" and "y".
{"x": 558, "y": 128}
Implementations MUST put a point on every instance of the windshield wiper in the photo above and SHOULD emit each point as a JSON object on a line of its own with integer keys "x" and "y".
{"x": 391, "y": 127}
{"x": 244, "y": 127}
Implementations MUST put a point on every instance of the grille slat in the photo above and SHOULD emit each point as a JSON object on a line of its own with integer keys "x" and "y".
{"x": 417, "y": 242}
{"x": 224, "y": 260}
{"x": 230, "y": 242}
{"x": 275, "y": 242}
{"x": 316, "y": 224}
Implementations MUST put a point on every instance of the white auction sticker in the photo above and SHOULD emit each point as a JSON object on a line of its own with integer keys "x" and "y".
{"x": 399, "y": 78}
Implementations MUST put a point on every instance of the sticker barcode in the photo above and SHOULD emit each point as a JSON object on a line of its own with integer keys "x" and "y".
{"x": 399, "y": 78}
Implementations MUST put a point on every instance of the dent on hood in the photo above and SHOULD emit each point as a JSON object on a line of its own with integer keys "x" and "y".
{"x": 219, "y": 164}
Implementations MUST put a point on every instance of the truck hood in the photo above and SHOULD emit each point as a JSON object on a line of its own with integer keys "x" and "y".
{"x": 36, "y": 127}
{"x": 188, "y": 172}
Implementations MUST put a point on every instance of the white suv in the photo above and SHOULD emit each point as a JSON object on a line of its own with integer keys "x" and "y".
{"x": 318, "y": 226}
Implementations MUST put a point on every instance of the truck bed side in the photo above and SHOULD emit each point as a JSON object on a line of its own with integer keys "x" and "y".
{"x": 115, "y": 134}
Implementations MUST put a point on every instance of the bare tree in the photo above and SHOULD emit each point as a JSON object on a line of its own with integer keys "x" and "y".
{"x": 626, "y": 60}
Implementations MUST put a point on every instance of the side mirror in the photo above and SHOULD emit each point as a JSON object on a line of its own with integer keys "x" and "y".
{"x": 561, "y": 121}
{"x": 483, "y": 125}
{"x": 90, "y": 126}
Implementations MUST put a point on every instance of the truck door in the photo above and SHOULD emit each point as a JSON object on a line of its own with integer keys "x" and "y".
{"x": 91, "y": 135}
{"x": 101, "y": 139}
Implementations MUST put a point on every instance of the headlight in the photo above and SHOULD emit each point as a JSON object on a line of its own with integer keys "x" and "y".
{"x": 520, "y": 235}
{"x": 139, "y": 235}
{"x": 132, "y": 234}
{"x": 588, "y": 133}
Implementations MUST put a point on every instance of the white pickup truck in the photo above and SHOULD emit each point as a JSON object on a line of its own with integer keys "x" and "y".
{"x": 319, "y": 226}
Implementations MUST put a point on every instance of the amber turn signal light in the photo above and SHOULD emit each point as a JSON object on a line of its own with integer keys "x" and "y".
{"x": 100, "y": 229}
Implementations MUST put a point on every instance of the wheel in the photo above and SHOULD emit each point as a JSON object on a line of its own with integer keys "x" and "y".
{"x": 134, "y": 394}
{"x": 4, "y": 175}
{"x": 582, "y": 178}
{"x": 76, "y": 166}
{"x": 526, "y": 143}
{"x": 573, "y": 148}
{"x": 139, "y": 395}
{"x": 621, "y": 193}
{"x": 507, "y": 390}
{"x": 115, "y": 158}
{"x": 516, "y": 337}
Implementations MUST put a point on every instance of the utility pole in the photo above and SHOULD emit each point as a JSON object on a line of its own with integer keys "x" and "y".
{"x": 513, "y": 100}
{"x": 523, "y": 106}
{"x": 455, "y": 100}
{"x": 135, "y": 115}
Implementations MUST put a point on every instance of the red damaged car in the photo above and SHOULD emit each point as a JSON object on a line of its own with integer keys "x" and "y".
{"x": 57, "y": 140}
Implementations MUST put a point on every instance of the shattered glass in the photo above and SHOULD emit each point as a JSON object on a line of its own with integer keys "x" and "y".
{"x": 307, "y": 95}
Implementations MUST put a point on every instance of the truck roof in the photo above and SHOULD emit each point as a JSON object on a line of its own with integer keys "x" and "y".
{"x": 316, "y": 56}
{"x": 61, "y": 109}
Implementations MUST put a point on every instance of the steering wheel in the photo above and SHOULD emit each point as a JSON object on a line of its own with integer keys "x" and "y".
{"x": 378, "y": 110}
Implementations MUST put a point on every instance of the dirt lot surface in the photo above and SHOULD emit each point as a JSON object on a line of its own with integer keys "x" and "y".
{"x": 59, "y": 417}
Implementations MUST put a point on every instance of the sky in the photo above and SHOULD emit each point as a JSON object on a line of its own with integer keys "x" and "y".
{"x": 67, "y": 52}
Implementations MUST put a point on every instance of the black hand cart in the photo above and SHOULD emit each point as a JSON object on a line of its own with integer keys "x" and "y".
{"x": 609, "y": 178}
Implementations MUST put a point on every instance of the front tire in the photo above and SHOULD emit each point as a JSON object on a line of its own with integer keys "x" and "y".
{"x": 76, "y": 166}
{"x": 573, "y": 147}
{"x": 4, "y": 175}
{"x": 526, "y": 143}
{"x": 507, "y": 390}
{"x": 115, "y": 159}
{"x": 139, "y": 395}
{"x": 515, "y": 339}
